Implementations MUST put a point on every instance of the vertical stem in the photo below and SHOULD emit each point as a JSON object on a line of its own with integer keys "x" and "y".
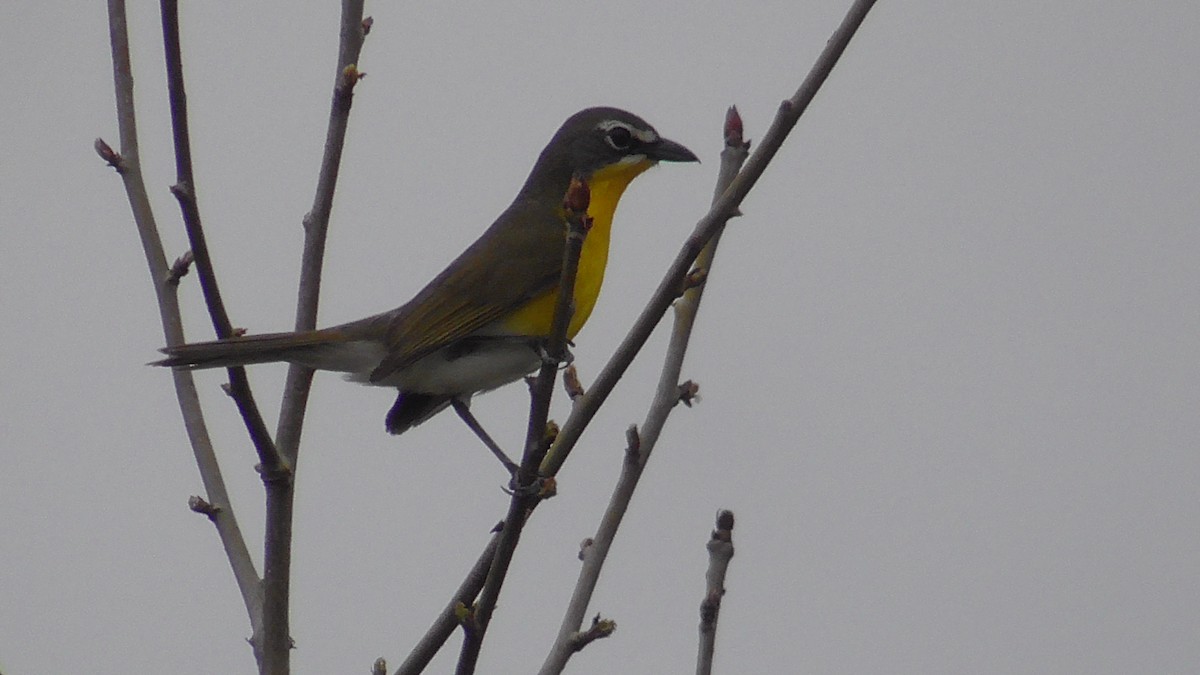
{"x": 280, "y": 487}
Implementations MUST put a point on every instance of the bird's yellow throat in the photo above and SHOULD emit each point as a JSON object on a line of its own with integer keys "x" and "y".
{"x": 606, "y": 186}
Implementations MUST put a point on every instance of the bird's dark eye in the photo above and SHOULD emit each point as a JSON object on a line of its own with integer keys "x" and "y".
{"x": 619, "y": 138}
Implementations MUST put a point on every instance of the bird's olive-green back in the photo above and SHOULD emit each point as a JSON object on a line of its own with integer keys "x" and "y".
{"x": 518, "y": 258}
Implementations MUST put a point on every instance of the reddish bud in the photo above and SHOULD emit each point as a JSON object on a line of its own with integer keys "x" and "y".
{"x": 725, "y": 520}
{"x": 109, "y": 155}
{"x": 734, "y": 130}
{"x": 578, "y": 196}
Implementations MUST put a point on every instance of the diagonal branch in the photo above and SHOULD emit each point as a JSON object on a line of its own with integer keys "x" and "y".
{"x": 448, "y": 620}
{"x": 127, "y": 163}
{"x": 527, "y": 491}
{"x": 185, "y": 192}
{"x": 785, "y": 119}
{"x": 668, "y": 394}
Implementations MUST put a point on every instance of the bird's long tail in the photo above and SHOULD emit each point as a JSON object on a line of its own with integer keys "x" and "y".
{"x": 311, "y": 348}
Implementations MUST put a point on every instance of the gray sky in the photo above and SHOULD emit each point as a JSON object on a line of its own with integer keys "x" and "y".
{"x": 948, "y": 357}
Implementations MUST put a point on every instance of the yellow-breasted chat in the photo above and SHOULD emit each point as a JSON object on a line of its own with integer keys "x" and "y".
{"x": 480, "y": 323}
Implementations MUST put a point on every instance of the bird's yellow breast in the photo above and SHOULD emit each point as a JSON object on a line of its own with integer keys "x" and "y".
{"x": 606, "y": 186}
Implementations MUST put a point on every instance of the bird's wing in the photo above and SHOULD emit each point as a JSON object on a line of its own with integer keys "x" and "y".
{"x": 517, "y": 259}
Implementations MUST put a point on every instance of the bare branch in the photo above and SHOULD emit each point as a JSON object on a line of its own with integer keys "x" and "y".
{"x": 720, "y": 552}
{"x": 277, "y": 554}
{"x": 185, "y": 192}
{"x": 724, "y": 208}
{"x": 128, "y": 165}
{"x": 526, "y": 492}
{"x": 316, "y": 221}
{"x": 443, "y": 627}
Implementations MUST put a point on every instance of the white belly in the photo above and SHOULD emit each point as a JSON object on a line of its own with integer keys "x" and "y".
{"x": 483, "y": 365}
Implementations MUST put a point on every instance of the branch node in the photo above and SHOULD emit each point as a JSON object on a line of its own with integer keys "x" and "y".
{"x": 280, "y": 473}
{"x": 585, "y": 546}
{"x": 112, "y": 157}
{"x": 366, "y": 28}
{"x": 199, "y": 505}
{"x": 600, "y": 628}
{"x": 181, "y": 190}
{"x": 694, "y": 279}
{"x": 550, "y": 434}
{"x": 379, "y": 667}
{"x": 572, "y": 384}
{"x": 180, "y": 267}
{"x": 689, "y": 393}
{"x": 466, "y": 617}
{"x": 633, "y": 444}
{"x": 709, "y": 608}
{"x": 350, "y": 77}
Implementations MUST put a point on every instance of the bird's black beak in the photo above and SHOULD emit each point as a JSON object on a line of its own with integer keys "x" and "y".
{"x": 670, "y": 151}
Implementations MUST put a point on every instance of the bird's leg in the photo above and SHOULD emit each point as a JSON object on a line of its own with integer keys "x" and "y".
{"x": 464, "y": 413}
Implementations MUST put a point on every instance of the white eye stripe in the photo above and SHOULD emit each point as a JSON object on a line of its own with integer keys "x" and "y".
{"x": 642, "y": 135}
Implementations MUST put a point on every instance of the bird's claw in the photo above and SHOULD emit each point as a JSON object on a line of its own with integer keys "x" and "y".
{"x": 560, "y": 361}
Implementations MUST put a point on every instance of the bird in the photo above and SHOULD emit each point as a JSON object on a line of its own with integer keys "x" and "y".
{"x": 482, "y": 322}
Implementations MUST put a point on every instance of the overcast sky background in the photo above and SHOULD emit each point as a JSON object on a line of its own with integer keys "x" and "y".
{"x": 948, "y": 358}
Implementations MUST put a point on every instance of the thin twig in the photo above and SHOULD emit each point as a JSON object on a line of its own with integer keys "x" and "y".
{"x": 641, "y": 441}
{"x": 526, "y": 493}
{"x": 726, "y": 207}
{"x": 185, "y": 192}
{"x": 316, "y": 221}
{"x": 277, "y": 555}
{"x": 720, "y": 552}
{"x": 443, "y": 627}
{"x": 128, "y": 165}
